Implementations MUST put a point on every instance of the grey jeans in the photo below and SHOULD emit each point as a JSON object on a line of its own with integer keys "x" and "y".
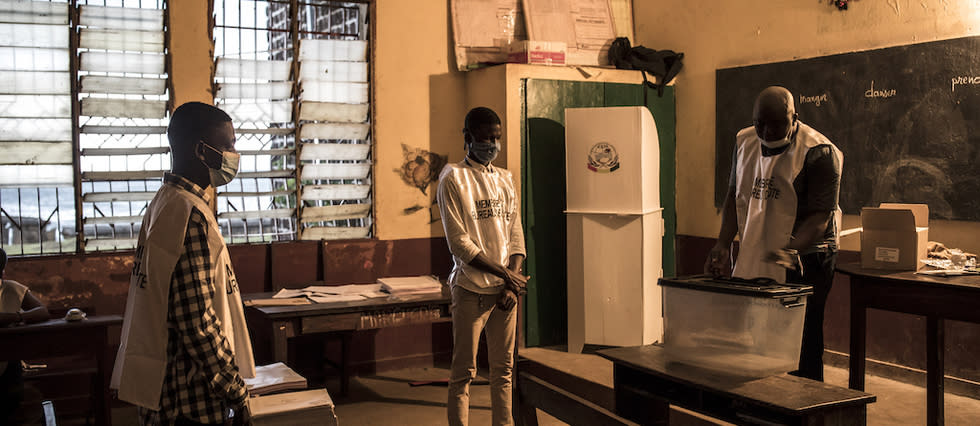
{"x": 473, "y": 313}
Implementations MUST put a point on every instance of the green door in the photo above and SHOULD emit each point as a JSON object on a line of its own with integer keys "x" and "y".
{"x": 543, "y": 189}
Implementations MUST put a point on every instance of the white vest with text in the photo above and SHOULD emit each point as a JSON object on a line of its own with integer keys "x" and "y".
{"x": 141, "y": 363}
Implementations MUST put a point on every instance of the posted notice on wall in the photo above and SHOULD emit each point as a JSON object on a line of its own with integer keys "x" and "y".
{"x": 586, "y": 27}
{"x": 483, "y": 30}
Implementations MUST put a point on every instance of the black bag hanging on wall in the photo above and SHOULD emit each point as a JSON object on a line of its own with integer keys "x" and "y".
{"x": 663, "y": 64}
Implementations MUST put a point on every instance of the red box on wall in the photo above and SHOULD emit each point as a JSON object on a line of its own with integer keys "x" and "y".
{"x": 537, "y": 52}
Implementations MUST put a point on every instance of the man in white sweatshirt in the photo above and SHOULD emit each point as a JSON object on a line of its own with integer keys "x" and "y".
{"x": 481, "y": 216}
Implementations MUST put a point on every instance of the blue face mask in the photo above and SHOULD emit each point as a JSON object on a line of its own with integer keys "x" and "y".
{"x": 484, "y": 152}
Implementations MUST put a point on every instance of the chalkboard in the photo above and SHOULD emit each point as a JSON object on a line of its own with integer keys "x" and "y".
{"x": 906, "y": 118}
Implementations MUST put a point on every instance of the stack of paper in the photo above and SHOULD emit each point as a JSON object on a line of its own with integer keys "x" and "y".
{"x": 404, "y": 286}
{"x": 293, "y": 408}
{"x": 333, "y": 293}
{"x": 274, "y": 378}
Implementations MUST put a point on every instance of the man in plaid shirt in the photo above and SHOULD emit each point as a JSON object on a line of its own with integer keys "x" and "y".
{"x": 184, "y": 337}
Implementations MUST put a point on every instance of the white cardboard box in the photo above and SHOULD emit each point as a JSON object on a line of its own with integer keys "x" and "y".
{"x": 894, "y": 236}
{"x": 536, "y": 52}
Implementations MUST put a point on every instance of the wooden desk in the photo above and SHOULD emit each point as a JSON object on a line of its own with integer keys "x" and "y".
{"x": 643, "y": 377}
{"x": 280, "y": 323}
{"x": 59, "y": 338}
{"x": 936, "y": 298}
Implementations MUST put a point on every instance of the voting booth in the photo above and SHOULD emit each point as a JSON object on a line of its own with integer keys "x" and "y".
{"x": 615, "y": 227}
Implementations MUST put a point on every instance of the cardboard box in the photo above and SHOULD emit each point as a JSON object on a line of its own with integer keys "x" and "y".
{"x": 894, "y": 236}
{"x": 537, "y": 52}
{"x": 303, "y": 408}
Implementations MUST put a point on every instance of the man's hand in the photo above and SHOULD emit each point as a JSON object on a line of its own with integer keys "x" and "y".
{"x": 506, "y": 300}
{"x": 515, "y": 282}
{"x": 787, "y": 258}
{"x": 242, "y": 415}
{"x": 719, "y": 262}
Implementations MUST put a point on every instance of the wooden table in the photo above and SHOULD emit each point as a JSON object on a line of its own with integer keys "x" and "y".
{"x": 644, "y": 377}
{"x": 57, "y": 337}
{"x": 936, "y": 298}
{"x": 278, "y": 324}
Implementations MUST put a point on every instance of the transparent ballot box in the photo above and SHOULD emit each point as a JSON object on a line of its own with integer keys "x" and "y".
{"x": 750, "y": 328}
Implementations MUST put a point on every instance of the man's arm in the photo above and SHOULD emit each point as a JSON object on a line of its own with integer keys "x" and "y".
{"x": 192, "y": 296}
{"x": 719, "y": 258}
{"x": 719, "y": 261}
{"x": 33, "y": 309}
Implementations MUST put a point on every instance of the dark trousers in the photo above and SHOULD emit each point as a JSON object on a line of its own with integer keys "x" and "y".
{"x": 818, "y": 271}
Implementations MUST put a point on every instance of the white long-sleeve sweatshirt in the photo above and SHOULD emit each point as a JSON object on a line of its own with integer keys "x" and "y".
{"x": 480, "y": 212}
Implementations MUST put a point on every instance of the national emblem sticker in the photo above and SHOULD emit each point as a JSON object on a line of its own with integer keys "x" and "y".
{"x": 603, "y": 158}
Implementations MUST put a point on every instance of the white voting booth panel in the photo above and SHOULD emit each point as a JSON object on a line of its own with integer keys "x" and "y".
{"x": 612, "y": 160}
{"x": 615, "y": 227}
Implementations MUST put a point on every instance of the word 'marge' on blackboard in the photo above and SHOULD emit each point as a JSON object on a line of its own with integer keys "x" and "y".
{"x": 964, "y": 80}
{"x": 816, "y": 100}
{"x": 883, "y": 93}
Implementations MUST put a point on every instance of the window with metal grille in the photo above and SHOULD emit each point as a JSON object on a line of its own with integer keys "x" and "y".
{"x": 83, "y": 105}
{"x": 122, "y": 119}
{"x": 294, "y": 77}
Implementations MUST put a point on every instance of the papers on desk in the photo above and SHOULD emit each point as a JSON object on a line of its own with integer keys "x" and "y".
{"x": 333, "y": 293}
{"x": 277, "y": 302}
{"x": 392, "y": 286}
{"x": 274, "y": 378}
{"x": 405, "y": 286}
{"x": 948, "y": 272}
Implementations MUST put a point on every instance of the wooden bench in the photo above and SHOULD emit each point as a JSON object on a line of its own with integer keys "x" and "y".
{"x": 643, "y": 376}
{"x": 578, "y": 389}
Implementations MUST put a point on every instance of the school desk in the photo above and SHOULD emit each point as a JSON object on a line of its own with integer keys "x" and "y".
{"x": 936, "y": 298}
{"x": 58, "y": 337}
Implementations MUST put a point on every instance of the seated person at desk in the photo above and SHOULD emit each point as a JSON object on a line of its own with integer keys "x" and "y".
{"x": 17, "y": 306}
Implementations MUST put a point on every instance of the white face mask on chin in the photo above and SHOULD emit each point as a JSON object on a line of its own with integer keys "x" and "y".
{"x": 779, "y": 143}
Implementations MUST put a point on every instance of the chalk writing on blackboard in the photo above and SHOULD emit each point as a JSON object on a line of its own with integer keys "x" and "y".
{"x": 906, "y": 118}
{"x": 879, "y": 93}
{"x": 815, "y": 99}
{"x": 965, "y": 80}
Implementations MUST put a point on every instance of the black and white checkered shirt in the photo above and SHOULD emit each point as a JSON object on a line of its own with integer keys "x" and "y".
{"x": 202, "y": 380}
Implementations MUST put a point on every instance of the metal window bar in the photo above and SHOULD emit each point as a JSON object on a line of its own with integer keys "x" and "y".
{"x": 122, "y": 101}
{"x": 343, "y": 21}
{"x": 36, "y": 207}
{"x": 265, "y": 31}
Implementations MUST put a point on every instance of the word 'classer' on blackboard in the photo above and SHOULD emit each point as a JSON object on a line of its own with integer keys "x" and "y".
{"x": 880, "y": 93}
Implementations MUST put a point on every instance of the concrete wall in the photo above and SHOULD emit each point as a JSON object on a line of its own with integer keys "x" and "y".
{"x": 715, "y": 34}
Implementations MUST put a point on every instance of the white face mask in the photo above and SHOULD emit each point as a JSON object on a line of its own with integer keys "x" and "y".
{"x": 228, "y": 170}
{"x": 779, "y": 143}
